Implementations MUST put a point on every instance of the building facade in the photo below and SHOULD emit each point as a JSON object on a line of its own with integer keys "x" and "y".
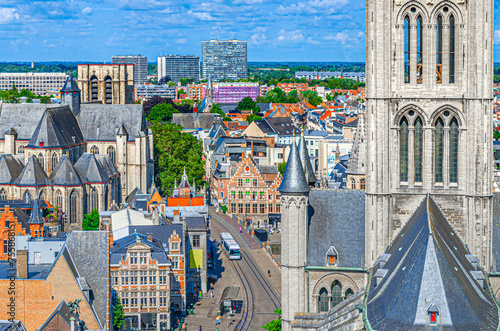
{"x": 176, "y": 67}
{"x": 146, "y": 92}
{"x": 224, "y": 60}
{"x": 106, "y": 83}
{"x": 140, "y": 63}
{"x": 37, "y": 82}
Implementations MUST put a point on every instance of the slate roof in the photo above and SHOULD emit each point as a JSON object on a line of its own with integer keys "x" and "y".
{"x": 161, "y": 232}
{"x": 22, "y": 218}
{"x": 267, "y": 169}
{"x": 196, "y": 223}
{"x": 282, "y": 125}
{"x": 36, "y": 217}
{"x": 32, "y": 175}
{"x": 70, "y": 85}
{"x": 89, "y": 253}
{"x": 194, "y": 121}
{"x": 107, "y": 164}
{"x": 131, "y": 196}
{"x": 90, "y": 170}
{"x": 264, "y": 126}
{"x": 21, "y": 117}
{"x": 306, "y": 161}
{"x": 58, "y": 127}
{"x": 294, "y": 179}
{"x": 102, "y": 122}
{"x": 10, "y": 169}
{"x": 119, "y": 249}
{"x": 427, "y": 263}
{"x": 342, "y": 213}
{"x": 64, "y": 174}
{"x": 337, "y": 177}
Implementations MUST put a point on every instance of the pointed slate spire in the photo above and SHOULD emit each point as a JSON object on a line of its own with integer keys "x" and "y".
{"x": 70, "y": 85}
{"x": 294, "y": 179}
{"x": 122, "y": 131}
{"x": 306, "y": 161}
{"x": 36, "y": 217}
{"x": 64, "y": 174}
{"x": 32, "y": 175}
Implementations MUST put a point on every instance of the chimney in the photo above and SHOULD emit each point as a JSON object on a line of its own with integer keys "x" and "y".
{"x": 22, "y": 264}
{"x": 150, "y": 237}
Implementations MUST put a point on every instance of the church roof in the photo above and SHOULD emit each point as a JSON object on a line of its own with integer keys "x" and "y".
{"x": 70, "y": 85}
{"x": 32, "y": 175}
{"x": 36, "y": 217}
{"x": 194, "y": 121}
{"x": 23, "y": 118}
{"x": 428, "y": 263}
{"x": 107, "y": 164}
{"x": 306, "y": 161}
{"x": 90, "y": 170}
{"x": 64, "y": 174}
{"x": 58, "y": 127}
{"x": 10, "y": 169}
{"x": 294, "y": 179}
{"x": 131, "y": 197}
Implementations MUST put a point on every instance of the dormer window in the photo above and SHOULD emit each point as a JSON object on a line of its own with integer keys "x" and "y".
{"x": 40, "y": 143}
{"x": 331, "y": 257}
{"x": 433, "y": 311}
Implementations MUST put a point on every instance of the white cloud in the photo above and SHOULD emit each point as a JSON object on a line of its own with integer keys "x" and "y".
{"x": 201, "y": 16}
{"x": 248, "y": 2}
{"x": 290, "y": 36}
{"x": 8, "y": 15}
{"x": 497, "y": 36}
{"x": 181, "y": 41}
{"x": 312, "y": 41}
{"x": 87, "y": 11}
{"x": 313, "y": 7}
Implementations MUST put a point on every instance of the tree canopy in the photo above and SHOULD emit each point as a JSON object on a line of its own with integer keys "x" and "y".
{"x": 91, "y": 221}
{"x": 253, "y": 117}
{"x": 312, "y": 97}
{"x": 118, "y": 314}
{"x": 175, "y": 150}
{"x": 248, "y": 104}
{"x": 156, "y": 100}
{"x": 274, "y": 325}
{"x": 162, "y": 113}
{"x": 216, "y": 109}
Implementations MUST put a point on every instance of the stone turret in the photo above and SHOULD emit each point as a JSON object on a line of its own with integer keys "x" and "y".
{"x": 10, "y": 141}
{"x": 306, "y": 162}
{"x": 70, "y": 95}
{"x": 294, "y": 191}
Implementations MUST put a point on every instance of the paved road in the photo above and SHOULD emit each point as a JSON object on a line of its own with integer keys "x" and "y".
{"x": 260, "y": 296}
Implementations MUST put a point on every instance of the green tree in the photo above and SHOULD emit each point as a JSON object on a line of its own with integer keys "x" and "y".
{"x": 312, "y": 97}
{"x": 496, "y": 133}
{"x": 181, "y": 91}
{"x": 496, "y": 78}
{"x": 118, "y": 314}
{"x": 186, "y": 81}
{"x": 91, "y": 221}
{"x": 171, "y": 84}
{"x": 281, "y": 168}
{"x": 175, "y": 150}
{"x": 162, "y": 113}
{"x": 216, "y": 109}
{"x": 274, "y": 325}
{"x": 45, "y": 99}
{"x": 248, "y": 104}
{"x": 253, "y": 117}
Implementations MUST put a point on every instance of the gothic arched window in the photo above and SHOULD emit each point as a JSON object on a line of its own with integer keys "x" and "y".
{"x": 403, "y": 150}
{"x": 452, "y": 49}
{"x": 353, "y": 183}
{"x": 348, "y": 293}
{"x": 41, "y": 197}
{"x": 20, "y": 149}
{"x": 109, "y": 90}
{"x": 94, "y": 89}
{"x": 420, "y": 43}
{"x": 54, "y": 161}
{"x": 438, "y": 150}
{"x": 94, "y": 150}
{"x": 336, "y": 293}
{"x": 3, "y": 195}
{"x": 41, "y": 160}
{"x": 72, "y": 207}
{"x": 112, "y": 153}
{"x": 94, "y": 199}
{"x": 418, "y": 149}
{"x": 439, "y": 49}
{"x": 453, "y": 151}
{"x": 407, "y": 49}
{"x": 59, "y": 199}
{"x": 323, "y": 300}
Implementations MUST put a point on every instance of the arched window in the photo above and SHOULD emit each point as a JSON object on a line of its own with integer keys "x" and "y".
{"x": 453, "y": 151}
{"x": 27, "y": 197}
{"x": 54, "y": 161}
{"x": 323, "y": 300}
{"x": 353, "y": 183}
{"x": 41, "y": 160}
{"x": 420, "y": 43}
{"x": 362, "y": 182}
{"x": 407, "y": 49}
{"x": 403, "y": 151}
{"x": 438, "y": 150}
{"x": 94, "y": 89}
{"x": 94, "y": 199}
{"x": 452, "y": 49}
{"x": 59, "y": 199}
{"x": 336, "y": 293}
{"x": 439, "y": 49}
{"x": 112, "y": 153}
{"x": 20, "y": 149}
{"x": 72, "y": 207}
{"x": 109, "y": 90}
{"x": 418, "y": 141}
{"x": 3, "y": 195}
{"x": 348, "y": 293}
{"x": 94, "y": 150}
{"x": 41, "y": 197}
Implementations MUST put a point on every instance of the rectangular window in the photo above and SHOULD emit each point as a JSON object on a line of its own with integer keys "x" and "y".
{"x": 175, "y": 261}
{"x": 254, "y": 208}
{"x": 247, "y": 182}
{"x": 262, "y": 208}
{"x": 152, "y": 302}
{"x": 196, "y": 240}
{"x": 433, "y": 316}
{"x": 262, "y": 195}
{"x": 232, "y": 208}
{"x": 240, "y": 208}
{"x": 221, "y": 184}
{"x": 240, "y": 182}
{"x": 270, "y": 208}
{"x": 240, "y": 195}
{"x": 247, "y": 195}
{"x": 255, "y": 182}
{"x": 278, "y": 208}
{"x": 222, "y": 194}
{"x": 254, "y": 196}
{"x": 174, "y": 246}
{"x": 233, "y": 195}
{"x": 5, "y": 246}
{"x": 247, "y": 208}
{"x": 270, "y": 197}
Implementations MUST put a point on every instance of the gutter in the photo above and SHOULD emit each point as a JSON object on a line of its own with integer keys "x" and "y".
{"x": 336, "y": 269}
{"x": 494, "y": 298}
{"x": 363, "y": 306}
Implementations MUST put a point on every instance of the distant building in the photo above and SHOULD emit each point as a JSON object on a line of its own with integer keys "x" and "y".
{"x": 225, "y": 92}
{"x": 176, "y": 67}
{"x": 321, "y": 75}
{"x": 107, "y": 83}
{"x": 224, "y": 60}
{"x": 37, "y": 82}
{"x": 140, "y": 63}
{"x": 146, "y": 92}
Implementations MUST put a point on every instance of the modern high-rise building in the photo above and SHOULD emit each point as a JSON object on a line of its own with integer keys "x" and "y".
{"x": 140, "y": 63}
{"x": 36, "y": 82}
{"x": 223, "y": 60}
{"x": 176, "y": 67}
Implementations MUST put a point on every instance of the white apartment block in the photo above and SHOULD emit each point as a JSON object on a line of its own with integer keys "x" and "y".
{"x": 36, "y": 82}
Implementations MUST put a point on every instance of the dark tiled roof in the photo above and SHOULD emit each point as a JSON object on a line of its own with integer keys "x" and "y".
{"x": 294, "y": 180}
{"x": 90, "y": 170}
{"x": 36, "y": 216}
{"x": 196, "y": 223}
{"x": 267, "y": 169}
{"x": 107, "y": 164}
{"x": 194, "y": 121}
{"x": 282, "y": 125}
{"x": 10, "y": 169}
{"x": 342, "y": 213}
{"x": 22, "y": 217}
{"x": 131, "y": 197}
{"x": 427, "y": 266}
{"x": 306, "y": 161}
{"x": 264, "y": 126}
{"x": 70, "y": 85}
{"x": 64, "y": 174}
{"x": 89, "y": 253}
{"x": 119, "y": 249}
{"x": 161, "y": 232}
{"x": 58, "y": 127}
{"x": 103, "y": 122}
{"x": 22, "y": 117}
{"x": 32, "y": 175}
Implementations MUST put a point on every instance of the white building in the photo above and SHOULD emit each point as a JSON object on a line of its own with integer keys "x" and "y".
{"x": 36, "y": 82}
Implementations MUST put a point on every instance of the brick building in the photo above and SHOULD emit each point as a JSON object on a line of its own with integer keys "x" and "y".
{"x": 12, "y": 223}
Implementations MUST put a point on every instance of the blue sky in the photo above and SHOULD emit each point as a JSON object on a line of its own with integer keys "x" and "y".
{"x": 303, "y": 30}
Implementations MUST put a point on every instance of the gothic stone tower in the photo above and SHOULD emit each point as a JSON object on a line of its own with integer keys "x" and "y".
{"x": 294, "y": 191}
{"x": 429, "y": 117}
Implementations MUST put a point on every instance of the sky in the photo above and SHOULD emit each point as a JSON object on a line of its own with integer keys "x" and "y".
{"x": 83, "y": 30}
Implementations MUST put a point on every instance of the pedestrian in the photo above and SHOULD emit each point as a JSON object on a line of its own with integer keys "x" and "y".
{"x": 212, "y": 294}
{"x": 183, "y": 326}
{"x": 269, "y": 273}
{"x": 201, "y": 295}
{"x": 200, "y": 329}
{"x": 211, "y": 285}
{"x": 240, "y": 229}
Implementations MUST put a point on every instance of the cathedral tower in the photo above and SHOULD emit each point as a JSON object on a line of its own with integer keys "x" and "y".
{"x": 70, "y": 95}
{"x": 294, "y": 191}
{"x": 429, "y": 118}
